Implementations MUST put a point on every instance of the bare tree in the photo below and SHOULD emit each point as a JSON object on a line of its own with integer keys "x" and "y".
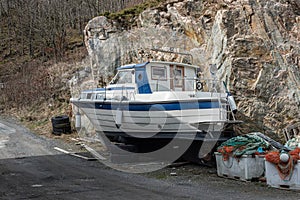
{"x": 41, "y": 29}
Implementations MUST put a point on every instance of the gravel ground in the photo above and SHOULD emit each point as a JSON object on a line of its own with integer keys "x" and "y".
{"x": 30, "y": 168}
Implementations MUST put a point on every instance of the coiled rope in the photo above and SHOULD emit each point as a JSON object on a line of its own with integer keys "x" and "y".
{"x": 285, "y": 169}
{"x": 242, "y": 145}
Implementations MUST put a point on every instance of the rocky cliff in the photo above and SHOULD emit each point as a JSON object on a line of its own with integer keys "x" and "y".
{"x": 255, "y": 45}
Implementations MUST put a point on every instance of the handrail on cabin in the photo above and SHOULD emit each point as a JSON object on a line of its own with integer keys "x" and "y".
{"x": 170, "y": 51}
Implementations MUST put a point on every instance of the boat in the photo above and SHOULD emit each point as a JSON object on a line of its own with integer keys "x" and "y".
{"x": 157, "y": 101}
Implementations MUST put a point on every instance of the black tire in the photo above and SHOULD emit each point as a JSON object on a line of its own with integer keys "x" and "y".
{"x": 60, "y": 124}
{"x": 59, "y": 131}
{"x": 60, "y": 119}
{"x": 56, "y": 131}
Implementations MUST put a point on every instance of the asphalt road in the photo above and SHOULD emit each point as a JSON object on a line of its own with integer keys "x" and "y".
{"x": 30, "y": 168}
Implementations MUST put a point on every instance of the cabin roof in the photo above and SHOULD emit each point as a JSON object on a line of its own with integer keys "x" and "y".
{"x": 133, "y": 66}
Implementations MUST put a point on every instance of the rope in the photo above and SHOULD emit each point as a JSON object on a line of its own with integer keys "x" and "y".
{"x": 295, "y": 154}
{"x": 229, "y": 161}
{"x": 293, "y": 143}
{"x": 273, "y": 157}
{"x": 242, "y": 145}
{"x": 285, "y": 170}
{"x": 226, "y": 152}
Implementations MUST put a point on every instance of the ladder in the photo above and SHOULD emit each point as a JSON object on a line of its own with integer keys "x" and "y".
{"x": 225, "y": 111}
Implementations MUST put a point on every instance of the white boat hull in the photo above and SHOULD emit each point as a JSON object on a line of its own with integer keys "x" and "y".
{"x": 154, "y": 120}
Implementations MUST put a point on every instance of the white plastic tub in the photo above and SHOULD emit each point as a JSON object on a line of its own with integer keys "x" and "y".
{"x": 274, "y": 180}
{"x": 245, "y": 168}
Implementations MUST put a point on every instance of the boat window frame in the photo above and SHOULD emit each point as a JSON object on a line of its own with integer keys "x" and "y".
{"x": 158, "y": 77}
{"x": 179, "y": 78}
{"x": 115, "y": 80}
{"x": 89, "y": 95}
{"x": 99, "y": 96}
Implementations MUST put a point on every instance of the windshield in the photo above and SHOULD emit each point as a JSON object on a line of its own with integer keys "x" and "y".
{"x": 122, "y": 77}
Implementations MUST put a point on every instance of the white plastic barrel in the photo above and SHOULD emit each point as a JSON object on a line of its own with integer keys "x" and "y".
{"x": 232, "y": 104}
{"x": 78, "y": 121}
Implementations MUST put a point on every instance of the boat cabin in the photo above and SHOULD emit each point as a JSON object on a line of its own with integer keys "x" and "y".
{"x": 150, "y": 78}
{"x": 156, "y": 76}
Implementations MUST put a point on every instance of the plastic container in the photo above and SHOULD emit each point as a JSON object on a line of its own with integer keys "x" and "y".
{"x": 245, "y": 168}
{"x": 273, "y": 179}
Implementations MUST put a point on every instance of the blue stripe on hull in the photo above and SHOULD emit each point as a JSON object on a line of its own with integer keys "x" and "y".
{"x": 152, "y": 106}
{"x": 110, "y": 89}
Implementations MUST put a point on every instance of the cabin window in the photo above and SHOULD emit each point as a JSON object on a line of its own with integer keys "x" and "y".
{"x": 178, "y": 74}
{"x": 82, "y": 96}
{"x": 158, "y": 73}
{"x": 122, "y": 77}
{"x": 89, "y": 96}
{"x": 100, "y": 96}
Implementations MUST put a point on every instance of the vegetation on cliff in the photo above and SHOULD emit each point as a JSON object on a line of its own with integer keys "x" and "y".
{"x": 42, "y": 46}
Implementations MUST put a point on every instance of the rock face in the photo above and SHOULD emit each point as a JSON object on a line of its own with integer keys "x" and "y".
{"x": 255, "y": 45}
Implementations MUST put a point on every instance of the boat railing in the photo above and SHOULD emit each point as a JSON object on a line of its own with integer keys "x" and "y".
{"x": 189, "y": 84}
{"x": 218, "y": 90}
{"x": 213, "y": 86}
{"x": 127, "y": 93}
